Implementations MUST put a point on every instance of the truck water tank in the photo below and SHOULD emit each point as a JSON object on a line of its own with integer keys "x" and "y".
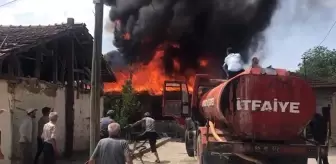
{"x": 266, "y": 107}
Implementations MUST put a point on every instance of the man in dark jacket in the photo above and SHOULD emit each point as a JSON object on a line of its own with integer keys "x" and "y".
{"x": 319, "y": 128}
{"x": 104, "y": 122}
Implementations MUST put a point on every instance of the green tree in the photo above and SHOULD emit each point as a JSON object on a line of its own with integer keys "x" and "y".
{"x": 319, "y": 62}
{"x": 127, "y": 105}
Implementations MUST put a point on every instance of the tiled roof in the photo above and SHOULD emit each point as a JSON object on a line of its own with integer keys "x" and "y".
{"x": 16, "y": 39}
{"x": 317, "y": 82}
{"x": 19, "y": 38}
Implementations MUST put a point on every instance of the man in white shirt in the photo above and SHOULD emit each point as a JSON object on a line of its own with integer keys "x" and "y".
{"x": 26, "y": 135}
{"x": 234, "y": 64}
{"x": 49, "y": 139}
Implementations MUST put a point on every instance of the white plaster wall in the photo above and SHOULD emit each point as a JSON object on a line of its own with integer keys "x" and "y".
{"x": 5, "y": 123}
{"x": 23, "y": 100}
{"x": 323, "y": 98}
{"x": 333, "y": 120}
{"x": 82, "y": 121}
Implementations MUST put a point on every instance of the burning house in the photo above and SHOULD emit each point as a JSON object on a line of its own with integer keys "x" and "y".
{"x": 46, "y": 66}
{"x": 175, "y": 39}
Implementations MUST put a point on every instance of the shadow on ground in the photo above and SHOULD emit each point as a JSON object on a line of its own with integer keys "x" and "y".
{"x": 161, "y": 162}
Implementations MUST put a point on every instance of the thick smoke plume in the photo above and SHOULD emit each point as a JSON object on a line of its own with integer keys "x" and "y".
{"x": 189, "y": 29}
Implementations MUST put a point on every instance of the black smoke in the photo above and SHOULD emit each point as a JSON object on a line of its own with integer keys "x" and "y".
{"x": 201, "y": 28}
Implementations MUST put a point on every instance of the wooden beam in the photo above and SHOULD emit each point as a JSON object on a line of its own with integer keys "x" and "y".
{"x": 1, "y": 62}
{"x": 45, "y": 50}
{"x": 37, "y": 72}
{"x": 14, "y": 65}
{"x": 19, "y": 72}
{"x": 69, "y": 100}
{"x": 79, "y": 71}
{"x": 25, "y": 57}
{"x": 10, "y": 66}
{"x": 77, "y": 77}
{"x": 55, "y": 63}
{"x": 63, "y": 62}
{"x": 77, "y": 40}
{"x": 86, "y": 42}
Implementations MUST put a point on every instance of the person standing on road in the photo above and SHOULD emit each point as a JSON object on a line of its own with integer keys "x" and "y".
{"x": 26, "y": 135}
{"x": 319, "y": 132}
{"x": 149, "y": 134}
{"x": 111, "y": 150}
{"x": 104, "y": 122}
{"x": 43, "y": 120}
{"x": 49, "y": 139}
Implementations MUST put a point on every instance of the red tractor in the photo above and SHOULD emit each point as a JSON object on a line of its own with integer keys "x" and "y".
{"x": 259, "y": 116}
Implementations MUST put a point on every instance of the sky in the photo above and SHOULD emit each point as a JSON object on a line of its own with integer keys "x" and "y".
{"x": 296, "y": 26}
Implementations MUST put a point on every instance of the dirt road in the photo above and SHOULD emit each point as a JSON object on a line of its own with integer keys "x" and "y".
{"x": 174, "y": 153}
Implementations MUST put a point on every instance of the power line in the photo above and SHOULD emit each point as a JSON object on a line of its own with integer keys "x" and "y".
{"x": 5, "y": 4}
{"x": 327, "y": 33}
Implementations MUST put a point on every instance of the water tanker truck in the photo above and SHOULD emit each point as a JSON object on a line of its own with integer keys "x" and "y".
{"x": 258, "y": 116}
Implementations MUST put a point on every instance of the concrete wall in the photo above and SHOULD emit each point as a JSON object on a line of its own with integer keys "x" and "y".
{"x": 24, "y": 99}
{"x": 325, "y": 96}
{"x": 5, "y": 123}
{"x": 333, "y": 120}
{"x": 82, "y": 122}
{"x": 22, "y": 96}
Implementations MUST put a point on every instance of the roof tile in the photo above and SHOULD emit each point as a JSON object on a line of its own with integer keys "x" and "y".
{"x": 16, "y": 37}
{"x": 317, "y": 82}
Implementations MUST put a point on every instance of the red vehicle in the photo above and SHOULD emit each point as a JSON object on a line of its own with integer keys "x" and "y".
{"x": 259, "y": 116}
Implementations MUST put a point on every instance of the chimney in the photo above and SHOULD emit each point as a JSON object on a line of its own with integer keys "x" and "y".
{"x": 70, "y": 21}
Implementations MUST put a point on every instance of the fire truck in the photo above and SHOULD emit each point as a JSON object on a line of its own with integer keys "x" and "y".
{"x": 259, "y": 116}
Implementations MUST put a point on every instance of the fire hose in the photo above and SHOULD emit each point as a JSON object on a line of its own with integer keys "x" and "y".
{"x": 213, "y": 131}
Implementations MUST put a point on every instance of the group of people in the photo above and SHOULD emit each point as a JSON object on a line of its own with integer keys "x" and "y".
{"x": 46, "y": 136}
{"x": 112, "y": 149}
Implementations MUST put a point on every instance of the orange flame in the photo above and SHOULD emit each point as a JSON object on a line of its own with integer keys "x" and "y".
{"x": 203, "y": 63}
{"x": 127, "y": 36}
{"x": 149, "y": 78}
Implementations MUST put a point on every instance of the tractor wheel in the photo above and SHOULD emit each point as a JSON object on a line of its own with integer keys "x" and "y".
{"x": 197, "y": 152}
{"x": 189, "y": 143}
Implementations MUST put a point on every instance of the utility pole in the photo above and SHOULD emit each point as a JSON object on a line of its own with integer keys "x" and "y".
{"x": 95, "y": 75}
{"x": 304, "y": 67}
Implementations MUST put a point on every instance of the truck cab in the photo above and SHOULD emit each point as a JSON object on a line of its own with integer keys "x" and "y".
{"x": 175, "y": 101}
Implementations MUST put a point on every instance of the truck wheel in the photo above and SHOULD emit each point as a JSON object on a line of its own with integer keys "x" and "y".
{"x": 189, "y": 145}
{"x": 199, "y": 155}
